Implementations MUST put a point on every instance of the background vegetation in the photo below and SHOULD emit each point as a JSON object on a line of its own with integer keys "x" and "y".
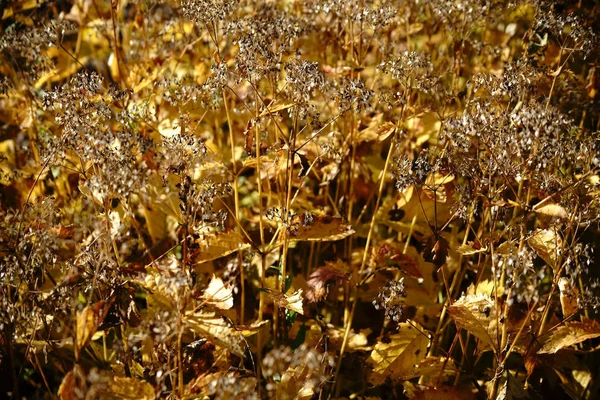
{"x": 299, "y": 199}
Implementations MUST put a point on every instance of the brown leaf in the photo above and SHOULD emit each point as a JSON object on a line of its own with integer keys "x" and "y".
{"x": 436, "y": 250}
{"x": 388, "y": 255}
{"x": 73, "y": 385}
{"x": 331, "y": 274}
{"x": 571, "y": 333}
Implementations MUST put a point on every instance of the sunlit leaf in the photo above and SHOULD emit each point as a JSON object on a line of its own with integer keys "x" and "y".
{"x": 471, "y": 248}
{"x": 319, "y": 281}
{"x": 213, "y": 327}
{"x": 547, "y": 245}
{"x": 218, "y": 294}
{"x": 291, "y": 302}
{"x": 88, "y": 322}
{"x": 478, "y": 315}
{"x": 568, "y": 297}
{"x": 571, "y": 333}
{"x": 321, "y": 229}
{"x": 211, "y": 246}
{"x": 551, "y": 210}
{"x": 396, "y": 358}
{"x": 130, "y": 388}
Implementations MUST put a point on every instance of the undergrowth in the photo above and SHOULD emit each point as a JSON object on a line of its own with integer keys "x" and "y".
{"x": 299, "y": 199}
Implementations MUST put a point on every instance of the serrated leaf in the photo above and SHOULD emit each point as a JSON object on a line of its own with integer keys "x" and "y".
{"x": 213, "y": 327}
{"x": 216, "y": 245}
{"x": 321, "y": 229}
{"x": 571, "y": 333}
{"x": 398, "y": 357}
{"x": 478, "y": 315}
{"x": 546, "y": 243}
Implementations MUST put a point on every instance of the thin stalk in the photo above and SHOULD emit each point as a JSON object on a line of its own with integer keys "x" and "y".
{"x": 363, "y": 263}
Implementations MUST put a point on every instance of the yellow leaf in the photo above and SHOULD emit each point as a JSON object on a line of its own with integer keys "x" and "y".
{"x": 571, "y": 333}
{"x": 19, "y": 6}
{"x": 485, "y": 287}
{"x": 88, "y": 321}
{"x": 130, "y": 388}
{"x": 272, "y": 109}
{"x": 213, "y": 327}
{"x": 73, "y": 385}
{"x": 430, "y": 367}
{"x": 568, "y": 297}
{"x": 252, "y": 329}
{"x": 218, "y": 295}
{"x": 469, "y": 249}
{"x": 321, "y": 229}
{"x": 292, "y": 302}
{"x": 478, "y": 315}
{"x": 551, "y": 210}
{"x": 398, "y": 357}
{"x": 216, "y": 245}
{"x": 377, "y": 131}
{"x": 547, "y": 245}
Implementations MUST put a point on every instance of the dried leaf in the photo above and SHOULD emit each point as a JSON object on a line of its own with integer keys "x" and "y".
{"x": 218, "y": 295}
{"x": 471, "y": 248}
{"x": 571, "y": 333}
{"x": 431, "y": 367}
{"x": 485, "y": 287}
{"x": 292, "y": 302}
{"x": 568, "y": 297}
{"x": 551, "y": 210}
{"x": 321, "y": 229}
{"x": 436, "y": 250}
{"x": 437, "y": 393}
{"x": 73, "y": 385}
{"x": 398, "y": 357}
{"x": 213, "y": 327}
{"x": 88, "y": 321}
{"x": 130, "y": 388}
{"x": 478, "y": 315}
{"x": 215, "y": 245}
{"x": 331, "y": 274}
{"x": 274, "y": 108}
{"x": 387, "y": 255}
{"x": 546, "y": 244}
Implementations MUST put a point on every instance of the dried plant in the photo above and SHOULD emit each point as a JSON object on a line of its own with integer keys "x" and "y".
{"x": 304, "y": 199}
